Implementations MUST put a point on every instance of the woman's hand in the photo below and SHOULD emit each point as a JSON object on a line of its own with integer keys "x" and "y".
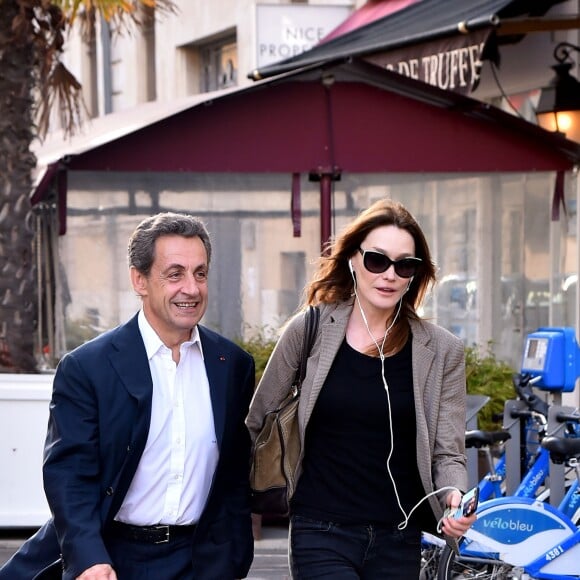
{"x": 456, "y": 527}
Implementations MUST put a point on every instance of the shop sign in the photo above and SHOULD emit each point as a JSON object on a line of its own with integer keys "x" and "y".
{"x": 452, "y": 64}
{"x": 284, "y": 30}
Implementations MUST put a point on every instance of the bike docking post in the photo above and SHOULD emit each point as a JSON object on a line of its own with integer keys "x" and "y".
{"x": 514, "y": 411}
{"x": 474, "y": 405}
{"x": 556, "y": 428}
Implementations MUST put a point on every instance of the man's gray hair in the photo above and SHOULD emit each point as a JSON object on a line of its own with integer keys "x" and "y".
{"x": 141, "y": 250}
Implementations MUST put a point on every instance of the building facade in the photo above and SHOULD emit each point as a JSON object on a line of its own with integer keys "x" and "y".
{"x": 504, "y": 266}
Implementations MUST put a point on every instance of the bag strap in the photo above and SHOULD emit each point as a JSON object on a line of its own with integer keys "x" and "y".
{"x": 311, "y": 319}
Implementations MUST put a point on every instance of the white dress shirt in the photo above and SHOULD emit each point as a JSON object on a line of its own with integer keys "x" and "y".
{"x": 174, "y": 475}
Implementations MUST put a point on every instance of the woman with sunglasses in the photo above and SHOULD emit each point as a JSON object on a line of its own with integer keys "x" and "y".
{"x": 382, "y": 407}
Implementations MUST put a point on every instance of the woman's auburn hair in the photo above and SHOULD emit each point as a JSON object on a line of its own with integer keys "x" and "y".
{"x": 333, "y": 281}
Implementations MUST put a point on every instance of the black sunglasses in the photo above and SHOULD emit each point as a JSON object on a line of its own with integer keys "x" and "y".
{"x": 378, "y": 263}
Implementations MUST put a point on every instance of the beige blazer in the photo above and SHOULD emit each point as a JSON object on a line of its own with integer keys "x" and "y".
{"x": 438, "y": 384}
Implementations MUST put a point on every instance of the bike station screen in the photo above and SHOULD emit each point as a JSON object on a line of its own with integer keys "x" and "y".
{"x": 535, "y": 353}
{"x": 553, "y": 355}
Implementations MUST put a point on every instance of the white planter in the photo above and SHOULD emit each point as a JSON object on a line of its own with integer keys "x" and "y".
{"x": 24, "y": 401}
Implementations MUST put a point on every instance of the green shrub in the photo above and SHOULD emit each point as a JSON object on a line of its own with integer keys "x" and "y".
{"x": 260, "y": 348}
{"x": 486, "y": 375}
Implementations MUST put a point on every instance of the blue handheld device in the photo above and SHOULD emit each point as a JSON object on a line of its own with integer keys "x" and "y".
{"x": 553, "y": 355}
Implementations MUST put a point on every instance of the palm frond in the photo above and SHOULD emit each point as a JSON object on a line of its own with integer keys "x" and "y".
{"x": 64, "y": 95}
{"x": 43, "y": 24}
{"x": 117, "y": 12}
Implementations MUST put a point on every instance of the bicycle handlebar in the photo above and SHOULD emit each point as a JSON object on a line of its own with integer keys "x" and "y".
{"x": 523, "y": 386}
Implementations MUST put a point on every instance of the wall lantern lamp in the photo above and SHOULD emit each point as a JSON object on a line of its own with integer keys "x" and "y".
{"x": 559, "y": 105}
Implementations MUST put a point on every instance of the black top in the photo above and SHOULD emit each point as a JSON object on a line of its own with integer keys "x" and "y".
{"x": 345, "y": 478}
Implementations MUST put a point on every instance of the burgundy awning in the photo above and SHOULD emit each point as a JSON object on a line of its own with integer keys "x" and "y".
{"x": 353, "y": 115}
{"x": 344, "y": 117}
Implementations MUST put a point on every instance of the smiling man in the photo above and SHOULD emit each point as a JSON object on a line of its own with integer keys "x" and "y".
{"x": 147, "y": 455}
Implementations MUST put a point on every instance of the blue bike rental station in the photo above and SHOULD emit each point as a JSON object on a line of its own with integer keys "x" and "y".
{"x": 534, "y": 537}
{"x": 552, "y": 355}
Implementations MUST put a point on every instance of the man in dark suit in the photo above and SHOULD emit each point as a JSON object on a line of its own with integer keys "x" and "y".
{"x": 147, "y": 455}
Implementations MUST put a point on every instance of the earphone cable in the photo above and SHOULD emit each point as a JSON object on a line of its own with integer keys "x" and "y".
{"x": 402, "y": 525}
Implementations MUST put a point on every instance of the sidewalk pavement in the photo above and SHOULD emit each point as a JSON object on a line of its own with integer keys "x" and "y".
{"x": 273, "y": 537}
{"x": 271, "y": 553}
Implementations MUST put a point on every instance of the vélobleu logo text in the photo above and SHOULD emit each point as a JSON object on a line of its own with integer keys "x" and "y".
{"x": 533, "y": 483}
{"x": 511, "y": 527}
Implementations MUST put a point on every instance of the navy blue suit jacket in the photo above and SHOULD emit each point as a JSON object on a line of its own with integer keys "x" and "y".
{"x": 102, "y": 392}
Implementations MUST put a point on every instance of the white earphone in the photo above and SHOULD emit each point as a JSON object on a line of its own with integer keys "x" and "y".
{"x": 402, "y": 525}
{"x": 351, "y": 268}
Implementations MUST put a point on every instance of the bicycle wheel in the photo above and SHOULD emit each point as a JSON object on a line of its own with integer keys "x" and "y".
{"x": 430, "y": 562}
{"x": 452, "y": 567}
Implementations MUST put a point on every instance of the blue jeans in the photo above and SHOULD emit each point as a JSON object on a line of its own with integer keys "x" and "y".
{"x": 352, "y": 552}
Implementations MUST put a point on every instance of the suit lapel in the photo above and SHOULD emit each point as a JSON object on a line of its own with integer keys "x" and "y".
{"x": 216, "y": 367}
{"x": 129, "y": 359}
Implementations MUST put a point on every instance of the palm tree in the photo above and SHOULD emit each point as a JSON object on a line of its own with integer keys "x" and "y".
{"x": 32, "y": 81}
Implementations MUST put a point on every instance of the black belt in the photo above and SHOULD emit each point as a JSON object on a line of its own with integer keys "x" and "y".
{"x": 160, "y": 534}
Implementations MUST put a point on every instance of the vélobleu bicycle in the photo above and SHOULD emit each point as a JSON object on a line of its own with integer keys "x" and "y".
{"x": 523, "y": 537}
{"x": 533, "y": 417}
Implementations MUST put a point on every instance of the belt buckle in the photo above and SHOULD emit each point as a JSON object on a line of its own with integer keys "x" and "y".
{"x": 165, "y": 540}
